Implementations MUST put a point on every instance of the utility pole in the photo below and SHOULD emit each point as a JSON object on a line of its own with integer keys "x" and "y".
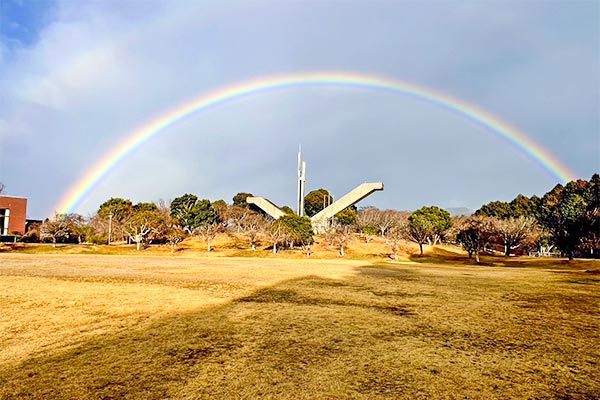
{"x": 109, "y": 227}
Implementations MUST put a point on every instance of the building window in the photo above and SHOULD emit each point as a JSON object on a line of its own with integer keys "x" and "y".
{"x": 4, "y": 217}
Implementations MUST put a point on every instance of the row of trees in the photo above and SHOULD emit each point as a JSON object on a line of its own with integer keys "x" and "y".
{"x": 565, "y": 218}
{"x": 119, "y": 220}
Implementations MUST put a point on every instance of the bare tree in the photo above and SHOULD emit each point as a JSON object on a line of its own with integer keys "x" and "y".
{"x": 385, "y": 220}
{"x": 56, "y": 228}
{"x": 366, "y": 222}
{"x": 2, "y": 187}
{"x": 395, "y": 234}
{"x": 164, "y": 209}
{"x": 252, "y": 225}
{"x": 277, "y": 234}
{"x": 80, "y": 227}
{"x": 174, "y": 235}
{"x": 141, "y": 224}
{"x": 169, "y": 228}
{"x": 209, "y": 232}
{"x": 236, "y": 217}
{"x": 514, "y": 232}
{"x": 338, "y": 236}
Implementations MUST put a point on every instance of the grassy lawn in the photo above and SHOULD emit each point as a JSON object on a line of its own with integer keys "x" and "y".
{"x": 153, "y": 327}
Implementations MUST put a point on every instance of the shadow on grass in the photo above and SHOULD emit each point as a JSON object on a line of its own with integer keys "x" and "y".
{"x": 368, "y": 336}
{"x": 442, "y": 257}
{"x": 212, "y": 350}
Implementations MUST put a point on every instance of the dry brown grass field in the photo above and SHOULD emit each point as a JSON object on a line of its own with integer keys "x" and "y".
{"x": 154, "y": 326}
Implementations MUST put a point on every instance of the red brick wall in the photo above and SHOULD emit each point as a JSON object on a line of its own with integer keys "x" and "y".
{"x": 18, "y": 213}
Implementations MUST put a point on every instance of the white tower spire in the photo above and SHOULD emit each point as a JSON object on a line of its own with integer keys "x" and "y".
{"x": 301, "y": 183}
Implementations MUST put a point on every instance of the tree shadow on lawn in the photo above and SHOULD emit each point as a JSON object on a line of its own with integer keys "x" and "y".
{"x": 452, "y": 259}
{"x": 361, "y": 337}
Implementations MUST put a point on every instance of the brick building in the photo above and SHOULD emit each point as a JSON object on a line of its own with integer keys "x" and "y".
{"x": 13, "y": 212}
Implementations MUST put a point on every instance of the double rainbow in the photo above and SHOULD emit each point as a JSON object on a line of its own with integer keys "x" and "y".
{"x": 84, "y": 186}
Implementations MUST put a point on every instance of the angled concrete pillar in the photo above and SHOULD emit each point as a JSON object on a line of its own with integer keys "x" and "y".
{"x": 266, "y": 206}
{"x": 320, "y": 220}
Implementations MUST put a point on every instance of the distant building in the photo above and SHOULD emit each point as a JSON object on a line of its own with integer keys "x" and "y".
{"x": 13, "y": 212}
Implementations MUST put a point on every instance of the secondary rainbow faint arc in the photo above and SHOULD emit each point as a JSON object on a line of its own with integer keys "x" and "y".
{"x": 78, "y": 192}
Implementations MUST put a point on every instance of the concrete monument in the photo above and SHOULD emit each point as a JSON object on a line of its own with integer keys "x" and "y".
{"x": 321, "y": 219}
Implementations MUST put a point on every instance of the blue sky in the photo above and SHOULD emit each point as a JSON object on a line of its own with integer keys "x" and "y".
{"x": 22, "y": 20}
{"x": 77, "y": 77}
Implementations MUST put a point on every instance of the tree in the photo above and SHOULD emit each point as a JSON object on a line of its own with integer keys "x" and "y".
{"x": 339, "y": 235}
{"x": 169, "y": 229}
{"x": 220, "y": 207}
{"x": 208, "y": 232}
{"x": 474, "y": 233}
{"x": 316, "y": 201}
{"x": 299, "y": 229}
{"x": 287, "y": 210}
{"x": 173, "y": 236}
{"x": 80, "y": 227}
{"x": 523, "y": 206}
{"x": 592, "y": 196}
{"x": 2, "y": 187}
{"x": 382, "y": 220}
{"x": 565, "y": 212}
{"x": 145, "y": 207}
{"x": 439, "y": 219}
{"x": 514, "y": 232}
{"x": 366, "y": 222}
{"x": 205, "y": 214}
{"x": 252, "y": 226}
{"x": 184, "y": 211}
{"x": 278, "y": 234}
{"x": 57, "y": 228}
{"x": 236, "y": 215}
{"x": 114, "y": 213}
{"x": 395, "y": 234}
{"x": 294, "y": 229}
{"x": 118, "y": 207}
{"x": 499, "y": 209}
{"x": 419, "y": 229}
{"x": 191, "y": 213}
{"x": 142, "y": 223}
{"x": 240, "y": 199}
{"x": 347, "y": 216}
{"x": 369, "y": 232}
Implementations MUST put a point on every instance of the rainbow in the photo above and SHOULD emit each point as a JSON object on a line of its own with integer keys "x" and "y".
{"x": 78, "y": 192}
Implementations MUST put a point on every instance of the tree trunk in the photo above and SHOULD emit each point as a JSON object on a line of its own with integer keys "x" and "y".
{"x": 274, "y": 247}
{"x": 342, "y": 250}
{"x": 506, "y": 250}
{"x": 253, "y": 247}
{"x": 173, "y": 248}
{"x": 208, "y": 245}
{"x": 137, "y": 245}
{"x": 571, "y": 255}
{"x": 421, "y": 247}
{"x": 470, "y": 253}
{"x": 477, "y": 257}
